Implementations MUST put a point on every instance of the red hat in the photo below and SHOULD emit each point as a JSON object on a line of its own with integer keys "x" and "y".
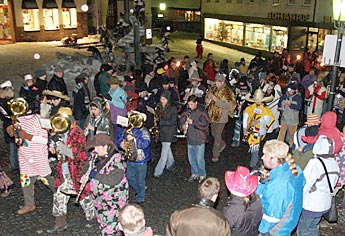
{"x": 240, "y": 182}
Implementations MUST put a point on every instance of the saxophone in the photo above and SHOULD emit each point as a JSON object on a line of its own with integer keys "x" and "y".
{"x": 154, "y": 130}
{"x": 131, "y": 148}
{"x": 250, "y": 130}
{"x": 210, "y": 91}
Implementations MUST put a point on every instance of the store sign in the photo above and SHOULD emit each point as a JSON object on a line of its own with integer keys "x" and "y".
{"x": 287, "y": 16}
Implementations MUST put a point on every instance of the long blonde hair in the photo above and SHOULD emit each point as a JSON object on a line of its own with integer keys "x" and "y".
{"x": 280, "y": 150}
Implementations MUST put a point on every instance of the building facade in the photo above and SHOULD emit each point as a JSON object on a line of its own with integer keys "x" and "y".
{"x": 42, "y": 20}
{"x": 268, "y": 25}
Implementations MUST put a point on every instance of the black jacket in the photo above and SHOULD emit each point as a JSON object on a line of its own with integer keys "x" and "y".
{"x": 5, "y": 115}
{"x": 81, "y": 98}
{"x": 168, "y": 126}
{"x": 41, "y": 85}
{"x": 58, "y": 84}
{"x": 243, "y": 222}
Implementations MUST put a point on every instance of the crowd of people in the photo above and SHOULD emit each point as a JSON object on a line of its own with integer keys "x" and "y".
{"x": 102, "y": 144}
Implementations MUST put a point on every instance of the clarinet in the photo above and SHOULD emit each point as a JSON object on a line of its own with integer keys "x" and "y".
{"x": 186, "y": 124}
{"x": 82, "y": 186}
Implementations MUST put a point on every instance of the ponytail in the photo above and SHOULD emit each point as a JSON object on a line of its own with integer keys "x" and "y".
{"x": 292, "y": 164}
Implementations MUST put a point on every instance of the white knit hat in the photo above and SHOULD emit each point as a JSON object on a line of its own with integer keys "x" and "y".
{"x": 6, "y": 84}
{"x": 324, "y": 147}
{"x": 28, "y": 77}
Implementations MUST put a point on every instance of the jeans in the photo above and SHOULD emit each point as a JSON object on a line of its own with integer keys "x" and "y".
{"x": 308, "y": 226}
{"x": 237, "y": 133}
{"x": 166, "y": 160}
{"x": 136, "y": 174}
{"x": 196, "y": 159}
{"x": 14, "y": 156}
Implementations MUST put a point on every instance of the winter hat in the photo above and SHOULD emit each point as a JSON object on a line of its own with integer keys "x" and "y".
{"x": 165, "y": 80}
{"x": 58, "y": 69}
{"x": 220, "y": 77}
{"x": 129, "y": 78}
{"x": 312, "y": 119}
{"x": 195, "y": 76}
{"x": 56, "y": 94}
{"x": 99, "y": 140}
{"x": 240, "y": 183}
{"x": 324, "y": 147}
{"x": 6, "y": 84}
{"x": 166, "y": 94}
{"x": 40, "y": 73}
{"x": 28, "y": 77}
{"x": 290, "y": 87}
{"x": 114, "y": 80}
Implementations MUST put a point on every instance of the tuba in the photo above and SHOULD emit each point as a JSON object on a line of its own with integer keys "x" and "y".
{"x": 135, "y": 120}
{"x": 18, "y": 107}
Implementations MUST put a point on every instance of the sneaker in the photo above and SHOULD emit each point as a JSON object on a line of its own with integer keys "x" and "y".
{"x": 201, "y": 178}
{"x": 215, "y": 159}
{"x": 26, "y": 209}
{"x": 193, "y": 178}
{"x": 325, "y": 224}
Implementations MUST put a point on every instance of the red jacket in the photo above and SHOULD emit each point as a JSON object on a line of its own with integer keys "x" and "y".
{"x": 329, "y": 129}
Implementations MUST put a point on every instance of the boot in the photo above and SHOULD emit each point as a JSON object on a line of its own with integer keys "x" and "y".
{"x": 60, "y": 225}
{"x": 26, "y": 209}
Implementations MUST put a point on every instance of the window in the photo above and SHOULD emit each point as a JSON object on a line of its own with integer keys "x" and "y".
{"x": 306, "y": 2}
{"x": 69, "y": 14}
{"x": 276, "y": 2}
{"x": 258, "y": 36}
{"x": 279, "y": 38}
{"x": 50, "y": 15}
{"x": 31, "y": 19}
{"x": 291, "y": 2}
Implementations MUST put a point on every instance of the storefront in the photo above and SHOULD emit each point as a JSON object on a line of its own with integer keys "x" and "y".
{"x": 6, "y": 24}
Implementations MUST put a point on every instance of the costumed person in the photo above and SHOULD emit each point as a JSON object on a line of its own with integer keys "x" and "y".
{"x": 241, "y": 92}
{"x": 321, "y": 174}
{"x": 97, "y": 121}
{"x": 289, "y": 104}
{"x": 6, "y": 184}
{"x": 194, "y": 123}
{"x": 32, "y": 155}
{"x": 57, "y": 83}
{"x": 117, "y": 104}
{"x": 108, "y": 183}
{"x": 280, "y": 189}
{"x": 199, "y": 48}
{"x": 221, "y": 104}
{"x": 315, "y": 96}
{"x": 136, "y": 141}
{"x": 195, "y": 88}
{"x": 244, "y": 207}
{"x": 257, "y": 118}
{"x": 167, "y": 118}
{"x": 70, "y": 147}
{"x": 200, "y": 218}
{"x": 130, "y": 88}
{"x": 81, "y": 98}
{"x": 6, "y": 94}
{"x": 132, "y": 221}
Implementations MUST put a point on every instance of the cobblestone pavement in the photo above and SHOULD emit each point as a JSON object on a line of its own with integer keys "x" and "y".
{"x": 163, "y": 197}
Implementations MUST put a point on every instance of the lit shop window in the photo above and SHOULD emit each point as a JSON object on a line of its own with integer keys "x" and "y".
{"x": 69, "y": 18}
{"x": 50, "y": 15}
{"x": 258, "y": 36}
{"x": 279, "y": 38}
{"x": 31, "y": 20}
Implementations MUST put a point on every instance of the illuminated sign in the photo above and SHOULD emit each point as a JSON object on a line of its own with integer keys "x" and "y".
{"x": 287, "y": 16}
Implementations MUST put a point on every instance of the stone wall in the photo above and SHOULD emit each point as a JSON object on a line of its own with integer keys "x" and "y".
{"x": 50, "y": 35}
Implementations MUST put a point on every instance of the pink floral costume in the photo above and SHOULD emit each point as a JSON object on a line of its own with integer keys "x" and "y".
{"x": 110, "y": 199}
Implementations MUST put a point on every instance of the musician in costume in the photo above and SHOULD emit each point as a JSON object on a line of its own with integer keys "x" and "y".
{"x": 315, "y": 96}
{"x": 257, "y": 118}
{"x": 97, "y": 121}
{"x": 70, "y": 146}
{"x": 195, "y": 88}
{"x": 195, "y": 122}
{"x": 32, "y": 154}
{"x": 136, "y": 144}
{"x": 221, "y": 104}
{"x": 108, "y": 184}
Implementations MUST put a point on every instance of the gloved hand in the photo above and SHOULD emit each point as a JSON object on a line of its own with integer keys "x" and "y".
{"x": 92, "y": 174}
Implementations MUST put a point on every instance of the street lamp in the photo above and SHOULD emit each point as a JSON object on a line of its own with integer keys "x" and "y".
{"x": 162, "y": 6}
{"x": 339, "y": 20}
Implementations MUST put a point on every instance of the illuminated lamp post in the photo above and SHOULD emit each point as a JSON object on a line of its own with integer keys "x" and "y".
{"x": 339, "y": 20}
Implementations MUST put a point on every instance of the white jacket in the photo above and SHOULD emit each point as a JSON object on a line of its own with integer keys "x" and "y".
{"x": 316, "y": 193}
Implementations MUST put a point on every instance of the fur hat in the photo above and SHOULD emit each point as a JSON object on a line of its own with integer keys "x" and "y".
{"x": 324, "y": 147}
{"x": 240, "y": 182}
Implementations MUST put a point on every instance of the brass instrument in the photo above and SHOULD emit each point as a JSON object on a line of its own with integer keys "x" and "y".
{"x": 186, "y": 124}
{"x": 210, "y": 91}
{"x": 154, "y": 130}
{"x": 18, "y": 107}
{"x": 250, "y": 130}
{"x": 135, "y": 120}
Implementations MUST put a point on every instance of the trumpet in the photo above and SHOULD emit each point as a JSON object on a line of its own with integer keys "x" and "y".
{"x": 18, "y": 107}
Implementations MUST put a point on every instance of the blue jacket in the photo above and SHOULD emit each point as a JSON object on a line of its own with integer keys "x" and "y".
{"x": 282, "y": 197}
{"x": 142, "y": 137}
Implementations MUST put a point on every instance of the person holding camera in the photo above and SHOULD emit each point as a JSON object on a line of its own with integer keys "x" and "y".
{"x": 315, "y": 96}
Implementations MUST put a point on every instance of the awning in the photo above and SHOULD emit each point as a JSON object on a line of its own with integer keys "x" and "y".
{"x": 29, "y": 4}
{"x": 68, "y": 4}
{"x": 49, "y": 4}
